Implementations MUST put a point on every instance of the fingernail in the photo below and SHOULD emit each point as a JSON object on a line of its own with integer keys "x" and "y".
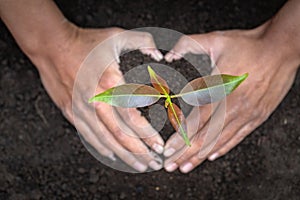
{"x": 168, "y": 152}
{"x": 158, "y": 55}
{"x": 139, "y": 166}
{"x": 171, "y": 167}
{"x": 187, "y": 167}
{"x": 112, "y": 157}
{"x": 154, "y": 165}
{"x": 118, "y": 59}
{"x": 158, "y": 148}
{"x": 213, "y": 157}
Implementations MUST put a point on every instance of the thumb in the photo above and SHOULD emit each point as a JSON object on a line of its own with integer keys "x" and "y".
{"x": 132, "y": 40}
{"x": 111, "y": 77}
{"x": 207, "y": 43}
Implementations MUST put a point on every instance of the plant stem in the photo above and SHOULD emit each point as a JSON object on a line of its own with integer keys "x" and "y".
{"x": 184, "y": 134}
{"x": 168, "y": 102}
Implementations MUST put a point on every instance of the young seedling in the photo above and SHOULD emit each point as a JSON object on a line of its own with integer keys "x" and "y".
{"x": 198, "y": 92}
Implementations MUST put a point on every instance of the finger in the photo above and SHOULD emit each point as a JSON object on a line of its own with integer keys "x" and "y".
{"x": 132, "y": 117}
{"x": 186, "y": 44}
{"x": 193, "y": 162}
{"x": 202, "y": 141}
{"x": 118, "y": 128}
{"x": 106, "y": 138}
{"x": 111, "y": 77}
{"x": 185, "y": 153}
{"x": 180, "y": 49}
{"x": 142, "y": 128}
{"x": 195, "y": 121}
{"x": 92, "y": 139}
{"x": 229, "y": 131}
{"x": 235, "y": 140}
{"x": 227, "y": 134}
{"x": 143, "y": 41}
{"x": 209, "y": 43}
{"x": 233, "y": 134}
{"x": 102, "y": 134}
{"x": 125, "y": 136}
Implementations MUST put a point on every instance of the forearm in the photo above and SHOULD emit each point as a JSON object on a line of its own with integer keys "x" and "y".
{"x": 284, "y": 29}
{"x": 37, "y": 25}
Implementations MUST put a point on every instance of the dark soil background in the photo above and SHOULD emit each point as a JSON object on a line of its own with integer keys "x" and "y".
{"x": 43, "y": 157}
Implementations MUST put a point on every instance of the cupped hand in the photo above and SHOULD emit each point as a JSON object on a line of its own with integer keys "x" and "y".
{"x": 272, "y": 66}
{"x": 113, "y": 132}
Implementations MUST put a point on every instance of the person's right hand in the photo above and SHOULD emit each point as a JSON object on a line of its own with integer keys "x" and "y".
{"x": 124, "y": 133}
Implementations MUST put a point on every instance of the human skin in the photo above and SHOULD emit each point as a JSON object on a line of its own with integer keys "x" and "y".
{"x": 270, "y": 54}
{"x": 58, "y": 48}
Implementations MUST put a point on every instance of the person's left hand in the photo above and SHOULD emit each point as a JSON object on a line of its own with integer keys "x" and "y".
{"x": 271, "y": 75}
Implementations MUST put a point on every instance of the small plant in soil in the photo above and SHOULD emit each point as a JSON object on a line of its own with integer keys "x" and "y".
{"x": 198, "y": 92}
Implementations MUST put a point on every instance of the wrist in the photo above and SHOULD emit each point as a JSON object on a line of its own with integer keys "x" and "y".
{"x": 38, "y": 26}
{"x": 47, "y": 44}
{"x": 280, "y": 42}
{"x": 51, "y": 55}
{"x": 283, "y": 31}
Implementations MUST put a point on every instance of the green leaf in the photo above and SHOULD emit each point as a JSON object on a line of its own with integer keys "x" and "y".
{"x": 158, "y": 82}
{"x": 128, "y": 96}
{"x": 209, "y": 89}
{"x": 178, "y": 121}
